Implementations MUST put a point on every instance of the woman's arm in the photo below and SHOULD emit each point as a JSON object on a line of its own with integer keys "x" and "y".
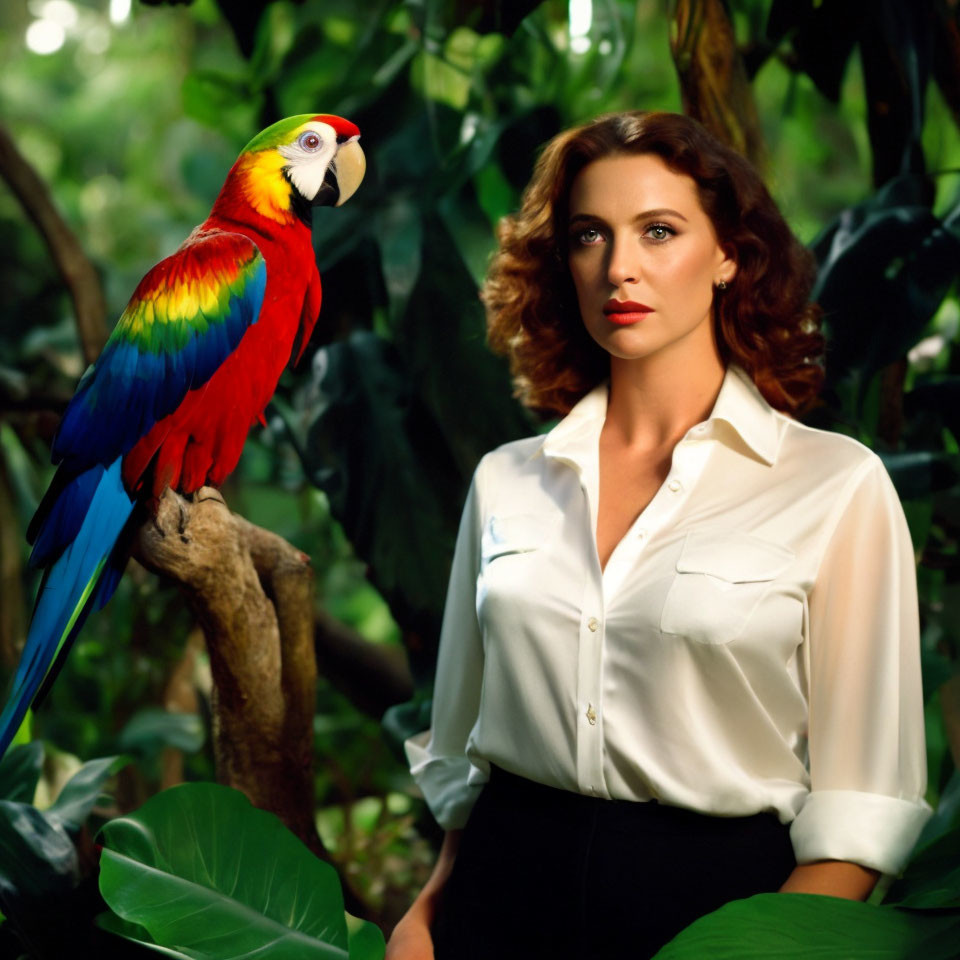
{"x": 411, "y": 939}
{"x": 865, "y": 737}
{"x": 833, "y": 878}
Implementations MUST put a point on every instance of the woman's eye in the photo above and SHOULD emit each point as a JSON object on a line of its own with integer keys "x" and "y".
{"x": 588, "y": 235}
{"x": 660, "y": 231}
{"x": 309, "y": 141}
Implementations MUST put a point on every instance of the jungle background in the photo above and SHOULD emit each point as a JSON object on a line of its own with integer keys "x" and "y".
{"x": 118, "y": 122}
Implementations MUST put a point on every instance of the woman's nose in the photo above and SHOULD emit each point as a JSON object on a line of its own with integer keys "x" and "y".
{"x": 624, "y": 265}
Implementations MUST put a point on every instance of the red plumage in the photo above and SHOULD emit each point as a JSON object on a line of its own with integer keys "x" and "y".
{"x": 201, "y": 441}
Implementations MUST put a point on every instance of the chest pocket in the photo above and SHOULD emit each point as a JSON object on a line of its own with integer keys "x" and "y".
{"x": 720, "y": 579}
{"x": 513, "y": 534}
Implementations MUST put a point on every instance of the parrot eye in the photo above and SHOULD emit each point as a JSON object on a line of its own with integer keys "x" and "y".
{"x": 309, "y": 141}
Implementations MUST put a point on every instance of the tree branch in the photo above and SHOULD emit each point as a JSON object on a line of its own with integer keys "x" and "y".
{"x": 713, "y": 80}
{"x": 75, "y": 267}
{"x": 372, "y": 676}
{"x": 251, "y": 592}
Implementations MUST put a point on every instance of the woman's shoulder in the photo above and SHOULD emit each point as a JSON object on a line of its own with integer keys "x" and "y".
{"x": 818, "y": 440}
{"x": 513, "y": 454}
{"x": 509, "y": 460}
{"x": 829, "y": 450}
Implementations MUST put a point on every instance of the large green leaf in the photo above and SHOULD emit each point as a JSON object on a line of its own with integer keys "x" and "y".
{"x": 136, "y": 934}
{"x": 797, "y": 926}
{"x": 934, "y": 400}
{"x": 398, "y": 229}
{"x": 39, "y": 864}
{"x": 932, "y": 879}
{"x": 37, "y": 857}
{"x": 945, "y": 818}
{"x": 81, "y": 792}
{"x": 20, "y": 770}
{"x": 207, "y": 875}
{"x": 920, "y": 473}
{"x": 885, "y": 267}
{"x": 380, "y": 458}
{"x": 824, "y": 35}
{"x": 403, "y": 720}
{"x": 151, "y": 729}
{"x": 442, "y": 340}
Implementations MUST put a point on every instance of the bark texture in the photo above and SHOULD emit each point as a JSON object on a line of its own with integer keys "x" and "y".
{"x": 713, "y": 79}
{"x": 251, "y": 591}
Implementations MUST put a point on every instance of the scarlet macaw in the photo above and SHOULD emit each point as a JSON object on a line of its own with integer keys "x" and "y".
{"x": 189, "y": 367}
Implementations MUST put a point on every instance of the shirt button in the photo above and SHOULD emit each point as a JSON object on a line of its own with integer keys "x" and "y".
{"x": 674, "y": 485}
{"x": 591, "y": 715}
{"x": 593, "y": 623}
{"x": 700, "y": 427}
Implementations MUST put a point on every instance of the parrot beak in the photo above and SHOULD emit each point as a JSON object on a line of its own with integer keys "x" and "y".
{"x": 343, "y": 176}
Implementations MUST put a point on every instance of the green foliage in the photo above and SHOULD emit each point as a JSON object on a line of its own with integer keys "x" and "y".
{"x": 932, "y": 880}
{"x": 39, "y": 860}
{"x": 800, "y": 925}
{"x": 885, "y": 267}
{"x": 20, "y": 771}
{"x": 200, "y": 871}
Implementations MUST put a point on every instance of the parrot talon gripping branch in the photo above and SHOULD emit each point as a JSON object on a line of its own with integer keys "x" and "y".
{"x": 189, "y": 368}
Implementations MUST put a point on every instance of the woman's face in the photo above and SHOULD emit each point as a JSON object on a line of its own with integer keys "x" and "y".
{"x": 637, "y": 233}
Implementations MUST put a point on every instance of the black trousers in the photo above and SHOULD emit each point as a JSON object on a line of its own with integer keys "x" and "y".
{"x": 543, "y": 872}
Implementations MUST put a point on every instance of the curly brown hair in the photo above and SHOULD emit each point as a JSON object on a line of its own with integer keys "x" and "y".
{"x": 763, "y": 320}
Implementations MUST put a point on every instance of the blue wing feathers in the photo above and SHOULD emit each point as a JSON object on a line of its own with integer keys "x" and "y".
{"x": 129, "y": 388}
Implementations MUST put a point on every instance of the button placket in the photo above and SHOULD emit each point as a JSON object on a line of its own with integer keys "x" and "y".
{"x": 685, "y": 467}
{"x": 589, "y": 682}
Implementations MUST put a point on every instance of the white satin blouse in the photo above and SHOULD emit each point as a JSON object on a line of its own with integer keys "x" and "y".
{"x": 752, "y": 644}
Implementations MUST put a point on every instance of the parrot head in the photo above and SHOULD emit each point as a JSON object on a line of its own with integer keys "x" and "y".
{"x": 302, "y": 161}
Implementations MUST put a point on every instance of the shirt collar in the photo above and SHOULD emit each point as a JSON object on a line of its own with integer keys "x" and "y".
{"x": 739, "y": 405}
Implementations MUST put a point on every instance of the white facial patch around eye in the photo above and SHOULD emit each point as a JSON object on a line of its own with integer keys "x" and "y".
{"x": 306, "y": 168}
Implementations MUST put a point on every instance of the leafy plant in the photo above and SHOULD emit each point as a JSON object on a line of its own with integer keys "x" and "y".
{"x": 800, "y": 925}
{"x": 40, "y": 862}
{"x": 198, "y": 872}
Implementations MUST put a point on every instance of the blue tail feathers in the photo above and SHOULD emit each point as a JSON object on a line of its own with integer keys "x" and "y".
{"x": 81, "y": 579}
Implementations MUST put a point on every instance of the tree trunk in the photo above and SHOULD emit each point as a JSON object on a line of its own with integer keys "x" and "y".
{"x": 713, "y": 80}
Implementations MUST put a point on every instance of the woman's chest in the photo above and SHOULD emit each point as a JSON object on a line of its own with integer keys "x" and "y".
{"x": 660, "y": 561}
{"x": 627, "y": 484}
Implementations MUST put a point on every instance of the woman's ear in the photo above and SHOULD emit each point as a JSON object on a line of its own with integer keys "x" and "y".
{"x": 729, "y": 266}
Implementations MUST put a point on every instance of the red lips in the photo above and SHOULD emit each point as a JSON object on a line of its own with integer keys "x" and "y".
{"x": 625, "y": 312}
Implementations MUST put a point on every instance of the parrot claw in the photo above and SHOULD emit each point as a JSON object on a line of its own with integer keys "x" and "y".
{"x": 182, "y": 525}
{"x": 208, "y": 493}
{"x": 154, "y": 513}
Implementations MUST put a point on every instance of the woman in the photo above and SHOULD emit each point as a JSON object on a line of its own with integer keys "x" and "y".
{"x": 679, "y": 662}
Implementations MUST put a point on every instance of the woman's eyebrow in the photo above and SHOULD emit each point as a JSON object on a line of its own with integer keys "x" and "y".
{"x": 659, "y": 212}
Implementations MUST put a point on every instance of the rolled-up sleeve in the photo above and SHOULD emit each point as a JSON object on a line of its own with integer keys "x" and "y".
{"x": 437, "y": 757}
{"x": 866, "y": 730}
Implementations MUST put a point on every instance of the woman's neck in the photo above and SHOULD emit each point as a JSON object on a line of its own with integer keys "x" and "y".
{"x": 655, "y": 400}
